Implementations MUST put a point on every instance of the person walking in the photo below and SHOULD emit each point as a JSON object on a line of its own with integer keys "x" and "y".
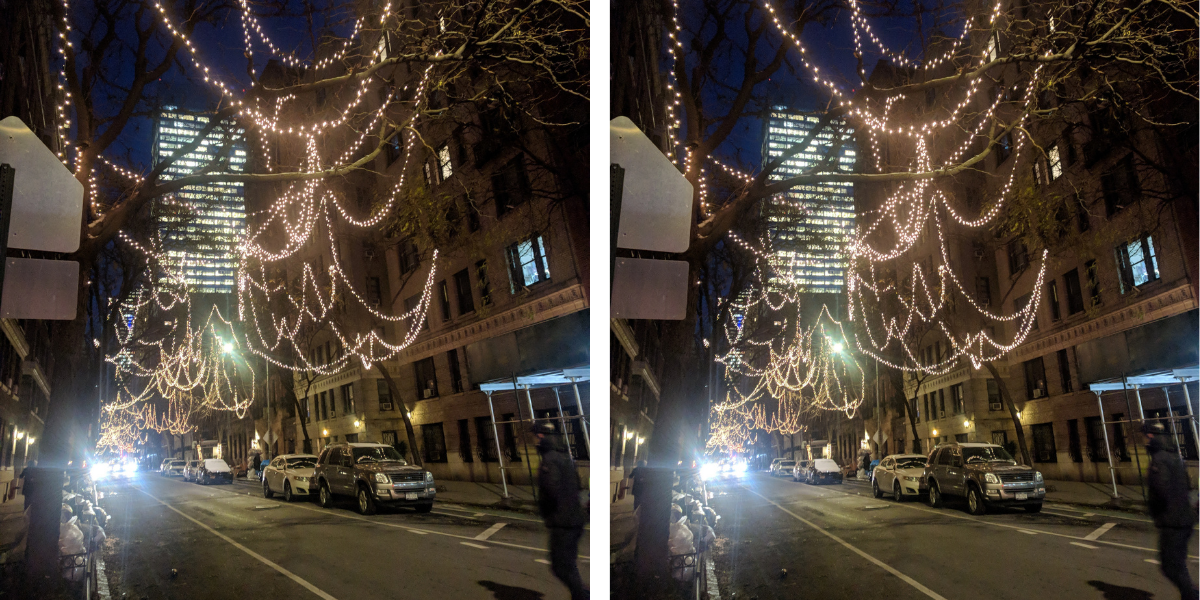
{"x": 25, "y": 480}
{"x": 637, "y": 475}
{"x": 1171, "y": 508}
{"x": 560, "y": 507}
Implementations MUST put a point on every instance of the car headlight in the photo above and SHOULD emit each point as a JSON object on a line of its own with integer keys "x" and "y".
{"x": 911, "y": 478}
{"x": 300, "y": 479}
{"x": 1037, "y": 475}
{"x": 381, "y": 478}
{"x": 991, "y": 478}
{"x": 428, "y": 476}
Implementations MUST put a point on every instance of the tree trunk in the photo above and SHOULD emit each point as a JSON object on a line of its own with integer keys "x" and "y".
{"x": 408, "y": 426}
{"x": 1012, "y": 412}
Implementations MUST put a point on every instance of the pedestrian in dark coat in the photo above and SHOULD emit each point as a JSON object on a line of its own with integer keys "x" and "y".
{"x": 561, "y": 509}
{"x": 1172, "y": 509}
{"x": 25, "y": 480}
{"x": 638, "y": 474}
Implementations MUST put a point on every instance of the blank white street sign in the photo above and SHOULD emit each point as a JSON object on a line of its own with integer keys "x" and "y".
{"x": 649, "y": 289}
{"x": 40, "y": 289}
{"x": 656, "y": 204}
{"x": 47, "y": 207}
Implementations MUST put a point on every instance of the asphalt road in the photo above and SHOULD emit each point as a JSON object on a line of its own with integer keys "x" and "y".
{"x": 227, "y": 541}
{"x": 836, "y": 541}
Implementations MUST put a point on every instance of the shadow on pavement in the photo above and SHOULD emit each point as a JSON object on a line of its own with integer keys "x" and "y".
{"x": 508, "y": 592}
{"x": 1120, "y": 592}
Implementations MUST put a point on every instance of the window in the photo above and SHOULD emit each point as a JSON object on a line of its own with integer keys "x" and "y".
{"x": 528, "y": 263}
{"x": 1035, "y": 378}
{"x": 428, "y": 174}
{"x": 390, "y": 438}
{"x": 1073, "y": 445}
{"x": 941, "y": 401}
{"x": 464, "y": 441}
{"x": 407, "y": 254}
{"x": 510, "y": 437}
{"x": 1004, "y": 148}
{"x": 462, "y": 287}
{"x": 1000, "y": 438}
{"x": 444, "y": 299}
{"x": 983, "y": 291}
{"x": 1118, "y": 438}
{"x": 956, "y": 399}
{"x": 374, "y": 292}
{"x": 1021, "y": 303}
{"x": 960, "y": 438}
{"x": 456, "y": 385}
{"x": 1043, "y": 443}
{"x": 445, "y": 169}
{"x": 485, "y": 289}
{"x": 385, "y": 394}
{"x": 1074, "y": 292}
{"x": 915, "y": 409}
{"x": 1121, "y": 186}
{"x": 1093, "y": 281}
{"x": 434, "y": 439}
{"x": 1097, "y": 450}
{"x": 324, "y": 407}
{"x": 348, "y": 399}
{"x": 1137, "y": 263}
{"x": 1052, "y": 300}
{"x": 426, "y": 378}
{"x": 1054, "y": 161}
{"x": 1039, "y": 174}
{"x": 487, "y": 439}
{"x": 1064, "y": 371}
{"x": 925, "y": 397}
{"x": 993, "y": 48}
{"x": 510, "y": 186}
{"x": 392, "y": 149}
{"x": 411, "y": 304}
{"x": 1018, "y": 257}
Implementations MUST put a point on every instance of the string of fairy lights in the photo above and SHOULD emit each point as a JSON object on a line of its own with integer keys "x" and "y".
{"x": 172, "y": 364}
{"x": 900, "y": 282}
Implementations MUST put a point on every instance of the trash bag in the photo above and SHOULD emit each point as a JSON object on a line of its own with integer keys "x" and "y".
{"x": 680, "y": 543}
{"x": 70, "y": 541}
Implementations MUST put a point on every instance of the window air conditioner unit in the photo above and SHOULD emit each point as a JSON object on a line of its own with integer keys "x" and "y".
{"x": 995, "y": 406}
{"x": 385, "y": 406}
{"x": 428, "y": 393}
{"x": 1038, "y": 393}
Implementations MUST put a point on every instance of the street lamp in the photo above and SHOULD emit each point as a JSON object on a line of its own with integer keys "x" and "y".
{"x": 325, "y": 432}
{"x": 357, "y": 423}
{"x": 228, "y": 347}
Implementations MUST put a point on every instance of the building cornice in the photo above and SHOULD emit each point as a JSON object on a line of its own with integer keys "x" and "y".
{"x": 1172, "y": 302}
{"x": 621, "y": 329}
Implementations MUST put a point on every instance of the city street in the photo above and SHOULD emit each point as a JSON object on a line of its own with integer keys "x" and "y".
{"x": 173, "y": 539}
{"x": 836, "y": 541}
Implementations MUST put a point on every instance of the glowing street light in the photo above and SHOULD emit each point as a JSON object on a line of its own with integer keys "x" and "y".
{"x": 228, "y": 347}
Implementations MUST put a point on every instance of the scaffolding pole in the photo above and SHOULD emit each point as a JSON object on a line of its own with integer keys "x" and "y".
{"x": 562, "y": 422}
{"x": 524, "y": 437}
{"x": 496, "y": 438}
{"x": 1112, "y": 471}
{"x": 1187, "y": 401}
{"x": 582, "y": 415}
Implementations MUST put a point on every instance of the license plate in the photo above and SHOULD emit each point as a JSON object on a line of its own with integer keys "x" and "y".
{"x": 1022, "y": 496}
{"x": 413, "y": 496}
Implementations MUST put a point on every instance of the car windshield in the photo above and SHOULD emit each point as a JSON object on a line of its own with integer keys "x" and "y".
{"x": 911, "y": 463}
{"x": 302, "y": 463}
{"x": 367, "y": 454}
{"x": 986, "y": 454}
{"x": 177, "y": 463}
{"x": 788, "y": 463}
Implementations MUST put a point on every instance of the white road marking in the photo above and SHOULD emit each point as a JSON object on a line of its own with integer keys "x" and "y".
{"x": 479, "y": 515}
{"x": 905, "y": 578}
{"x": 1027, "y": 531}
{"x": 542, "y": 560}
{"x": 1152, "y": 561}
{"x": 1101, "y": 530}
{"x": 474, "y": 545}
{"x": 490, "y": 531}
{"x": 1058, "y": 514}
{"x": 1083, "y": 545}
{"x": 1143, "y": 520}
{"x": 418, "y": 532}
{"x": 290, "y": 575}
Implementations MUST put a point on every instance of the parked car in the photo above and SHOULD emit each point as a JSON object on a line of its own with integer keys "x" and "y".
{"x": 985, "y": 474}
{"x": 823, "y": 470}
{"x": 800, "y": 471}
{"x": 175, "y": 468}
{"x": 189, "y": 470}
{"x": 162, "y": 468}
{"x": 374, "y": 474}
{"x": 871, "y": 469}
{"x": 783, "y": 467}
{"x": 213, "y": 470}
{"x": 774, "y": 463}
{"x": 290, "y": 475}
{"x": 900, "y": 475}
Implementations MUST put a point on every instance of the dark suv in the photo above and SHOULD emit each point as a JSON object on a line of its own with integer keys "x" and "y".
{"x": 986, "y": 474}
{"x": 374, "y": 474}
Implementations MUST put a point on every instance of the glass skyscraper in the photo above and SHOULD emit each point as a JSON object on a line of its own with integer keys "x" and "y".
{"x": 810, "y": 223}
{"x": 200, "y": 224}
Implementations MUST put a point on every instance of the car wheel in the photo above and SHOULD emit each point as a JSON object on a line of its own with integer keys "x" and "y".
{"x": 424, "y": 508}
{"x": 266, "y": 490}
{"x": 975, "y": 504}
{"x": 326, "y": 498}
{"x": 875, "y": 490}
{"x": 897, "y": 495}
{"x": 1033, "y": 508}
{"x": 366, "y": 504}
{"x": 935, "y": 495}
{"x": 287, "y": 491}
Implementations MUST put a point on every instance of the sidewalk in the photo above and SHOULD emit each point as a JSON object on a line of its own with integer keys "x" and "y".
{"x": 12, "y": 529}
{"x": 624, "y": 525}
{"x": 1096, "y": 494}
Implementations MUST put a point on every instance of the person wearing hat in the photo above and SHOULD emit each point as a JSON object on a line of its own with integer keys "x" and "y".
{"x": 558, "y": 502}
{"x": 1172, "y": 510}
